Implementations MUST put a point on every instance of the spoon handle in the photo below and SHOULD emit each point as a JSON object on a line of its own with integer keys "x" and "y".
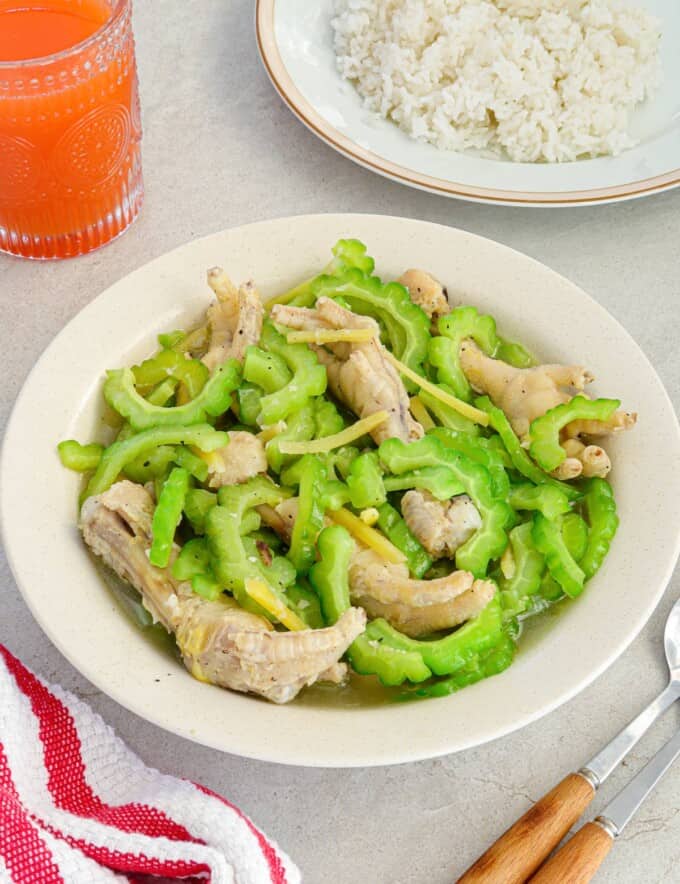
{"x": 521, "y": 850}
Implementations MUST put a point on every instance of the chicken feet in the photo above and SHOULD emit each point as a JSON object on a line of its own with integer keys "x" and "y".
{"x": 234, "y": 320}
{"x": 525, "y": 394}
{"x": 358, "y": 373}
{"x": 219, "y": 641}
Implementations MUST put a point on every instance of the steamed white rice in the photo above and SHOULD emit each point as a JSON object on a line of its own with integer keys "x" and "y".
{"x": 548, "y": 80}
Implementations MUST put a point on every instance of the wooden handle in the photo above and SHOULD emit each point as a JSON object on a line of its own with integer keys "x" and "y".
{"x": 521, "y": 850}
{"x": 579, "y": 859}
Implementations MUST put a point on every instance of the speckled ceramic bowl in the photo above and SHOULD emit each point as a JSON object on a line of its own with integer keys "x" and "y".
{"x": 559, "y": 656}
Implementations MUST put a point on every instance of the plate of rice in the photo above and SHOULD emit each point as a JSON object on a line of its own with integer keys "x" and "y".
{"x": 518, "y": 102}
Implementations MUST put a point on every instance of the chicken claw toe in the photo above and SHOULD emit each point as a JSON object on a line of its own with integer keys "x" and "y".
{"x": 426, "y": 292}
{"x": 234, "y": 320}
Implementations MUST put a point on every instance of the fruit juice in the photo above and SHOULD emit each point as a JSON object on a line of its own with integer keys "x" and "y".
{"x": 70, "y": 163}
{"x": 37, "y": 31}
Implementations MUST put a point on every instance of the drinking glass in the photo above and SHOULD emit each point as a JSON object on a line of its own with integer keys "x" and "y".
{"x": 70, "y": 137}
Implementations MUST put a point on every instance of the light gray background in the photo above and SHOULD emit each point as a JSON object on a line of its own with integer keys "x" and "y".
{"x": 220, "y": 150}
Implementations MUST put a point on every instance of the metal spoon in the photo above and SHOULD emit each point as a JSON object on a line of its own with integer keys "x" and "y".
{"x": 526, "y": 844}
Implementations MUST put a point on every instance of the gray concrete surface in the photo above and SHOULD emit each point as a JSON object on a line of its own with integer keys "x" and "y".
{"x": 220, "y": 150}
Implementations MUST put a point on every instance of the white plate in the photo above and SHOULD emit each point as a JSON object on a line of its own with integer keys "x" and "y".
{"x": 61, "y": 399}
{"x": 295, "y": 42}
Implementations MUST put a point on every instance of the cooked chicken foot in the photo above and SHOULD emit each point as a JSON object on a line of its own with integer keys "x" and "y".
{"x": 522, "y": 393}
{"x": 358, "y": 373}
{"x": 219, "y": 641}
{"x": 416, "y": 607}
{"x": 527, "y": 393}
{"x": 220, "y": 645}
{"x": 440, "y": 526}
{"x": 427, "y": 293}
{"x": 234, "y": 320}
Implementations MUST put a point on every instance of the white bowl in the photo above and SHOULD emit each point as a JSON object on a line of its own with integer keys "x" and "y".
{"x": 559, "y": 656}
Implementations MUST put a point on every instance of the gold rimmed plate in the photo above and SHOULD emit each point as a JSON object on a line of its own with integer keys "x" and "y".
{"x": 295, "y": 43}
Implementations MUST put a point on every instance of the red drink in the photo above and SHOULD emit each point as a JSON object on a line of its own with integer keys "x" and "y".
{"x": 70, "y": 163}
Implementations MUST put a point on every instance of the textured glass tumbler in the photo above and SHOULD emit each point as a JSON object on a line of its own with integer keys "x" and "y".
{"x": 70, "y": 143}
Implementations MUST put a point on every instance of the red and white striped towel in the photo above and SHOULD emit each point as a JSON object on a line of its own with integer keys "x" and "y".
{"x": 78, "y": 807}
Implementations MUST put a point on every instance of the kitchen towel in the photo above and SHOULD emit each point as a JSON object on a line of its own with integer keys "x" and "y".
{"x": 78, "y": 807}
